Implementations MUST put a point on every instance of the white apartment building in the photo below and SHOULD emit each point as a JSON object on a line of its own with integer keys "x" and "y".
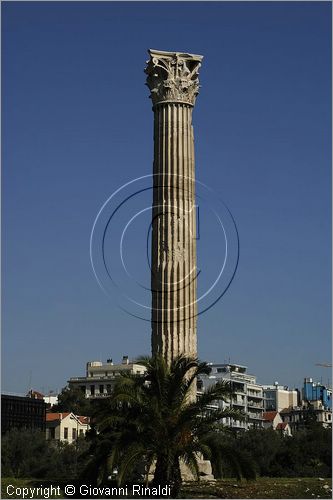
{"x": 100, "y": 377}
{"x": 277, "y": 397}
{"x": 51, "y": 400}
{"x": 248, "y": 395}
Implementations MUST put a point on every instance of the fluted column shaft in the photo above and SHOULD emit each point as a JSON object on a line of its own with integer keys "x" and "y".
{"x": 173, "y": 233}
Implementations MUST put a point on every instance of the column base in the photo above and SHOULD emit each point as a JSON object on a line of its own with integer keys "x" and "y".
{"x": 205, "y": 471}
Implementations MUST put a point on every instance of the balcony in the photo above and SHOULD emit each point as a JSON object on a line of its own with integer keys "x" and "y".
{"x": 238, "y": 402}
{"x": 255, "y": 395}
{"x": 213, "y": 407}
{"x": 238, "y": 425}
{"x": 99, "y": 395}
{"x": 93, "y": 378}
{"x": 252, "y": 404}
{"x": 255, "y": 416}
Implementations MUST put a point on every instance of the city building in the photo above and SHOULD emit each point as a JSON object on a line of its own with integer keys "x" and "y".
{"x": 248, "y": 395}
{"x": 284, "y": 429}
{"x": 50, "y": 399}
{"x": 313, "y": 391}
{"x": 277, "y": 397}
{"x": 273, "y": 420}
{"x": 297, "y": 409}
{"x": 65, "y": 427}
{"x": 22, "y": 412}
{"x": 300, "y": 416}
{"x": 100, "y": 377}
{"x": 35, "y": 394}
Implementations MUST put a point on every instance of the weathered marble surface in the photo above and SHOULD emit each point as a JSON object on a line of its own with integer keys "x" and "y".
{"x": 172, "y": 78}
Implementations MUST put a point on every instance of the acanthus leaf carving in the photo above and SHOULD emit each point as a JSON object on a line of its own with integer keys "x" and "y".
{"x": 173, "y": 77}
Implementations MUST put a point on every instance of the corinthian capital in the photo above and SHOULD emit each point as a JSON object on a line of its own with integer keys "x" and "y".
{"x": 173, "y": 77}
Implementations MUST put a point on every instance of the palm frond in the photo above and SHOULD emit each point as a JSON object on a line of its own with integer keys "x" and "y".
{"x": 149, "y": 418}
{"x": 191, "y": 460}
{"x": 129, "y": 459}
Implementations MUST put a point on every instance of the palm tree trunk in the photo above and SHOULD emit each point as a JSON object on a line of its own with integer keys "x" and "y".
{"x": 161, "y": 476}
{"x": 168, "y": 476}
{"x": 176, "y": 479}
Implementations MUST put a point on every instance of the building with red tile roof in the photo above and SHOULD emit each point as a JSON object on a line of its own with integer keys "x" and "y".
{"x": 284, "y": 428}
{"x": 65, "y": 426}
{"x": 272, "y": 419}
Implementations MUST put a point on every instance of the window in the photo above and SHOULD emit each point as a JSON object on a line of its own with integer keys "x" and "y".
{"x": 329, "y": 416}
{"x": 92, "y": 390}
{"x": 108, "y": 388}
{"x": 83, "y": 388}
{"x": 52, "y": 433}
{"x": 65, "y": 432}
{"x": 101, "y": 389}
{"x": 81, "y": 432}
{"x": 73, "y": 434}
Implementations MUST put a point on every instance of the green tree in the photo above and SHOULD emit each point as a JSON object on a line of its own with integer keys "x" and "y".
{"x": 72, "y": 399}
{"x": 263, "y": 445}
{"x": 25, "y": 453}
{"x": 152, "y": 419}
{"x": 229, "y": 459}
{"x": 308, "y": 453}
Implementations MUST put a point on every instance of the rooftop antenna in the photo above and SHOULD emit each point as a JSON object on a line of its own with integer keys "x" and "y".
{"x": 30, "y": 380}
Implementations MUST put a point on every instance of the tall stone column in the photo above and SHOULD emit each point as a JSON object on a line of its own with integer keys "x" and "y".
{"x": 173, "y": 82}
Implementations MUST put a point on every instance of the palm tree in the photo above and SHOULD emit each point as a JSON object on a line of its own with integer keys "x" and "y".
{"x": 152, "y": 419}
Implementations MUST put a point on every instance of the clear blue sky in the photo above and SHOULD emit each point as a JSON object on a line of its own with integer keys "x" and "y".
{"x": 77, "y": 124}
